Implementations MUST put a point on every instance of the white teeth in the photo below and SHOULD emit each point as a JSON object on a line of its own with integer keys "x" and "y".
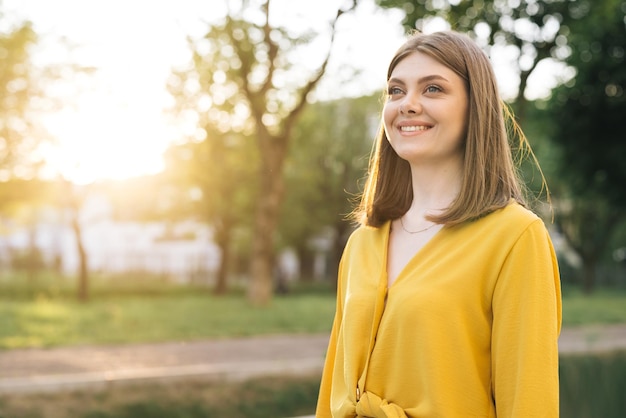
{"x": 413, "y": 128}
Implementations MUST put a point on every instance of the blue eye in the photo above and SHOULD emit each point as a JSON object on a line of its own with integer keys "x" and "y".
{"x": 394, "y": 90}
{"x": 433, "y": 89}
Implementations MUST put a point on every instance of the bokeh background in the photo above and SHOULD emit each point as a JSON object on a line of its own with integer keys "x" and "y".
{"x": 183, "y": 170}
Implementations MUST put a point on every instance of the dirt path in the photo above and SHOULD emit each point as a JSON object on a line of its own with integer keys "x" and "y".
{"x": 96, "y": 366}
{"x": 37, "y": 370}
{"x": 593, "y": 339}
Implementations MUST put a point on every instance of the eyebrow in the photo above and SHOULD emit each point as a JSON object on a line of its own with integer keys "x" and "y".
{"x": 422, "y": 80}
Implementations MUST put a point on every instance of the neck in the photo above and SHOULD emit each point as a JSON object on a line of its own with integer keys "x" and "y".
{"x": 434, "y": 188}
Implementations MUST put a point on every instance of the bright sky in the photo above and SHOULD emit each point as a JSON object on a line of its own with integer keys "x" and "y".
{"x": 115, "y": 126}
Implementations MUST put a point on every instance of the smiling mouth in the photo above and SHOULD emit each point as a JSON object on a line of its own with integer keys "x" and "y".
{"x": 414, "y": 128}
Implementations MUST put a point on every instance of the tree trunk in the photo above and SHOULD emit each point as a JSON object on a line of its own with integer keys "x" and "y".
{"x": 72, "y": 202}
{"x": 266, "y": 219}
{"x": 33, "y": 258}
{"x": 83, "y": 275}
{"x": 339, "y": 243}
{"x": 273, "y": 148}
{"x": 306, "y": 262}
{"x": 521, "y": 104}
{"x": 589, "y": 274}
{"x": 224, "y": 243}
{"x": 588, "y": 228}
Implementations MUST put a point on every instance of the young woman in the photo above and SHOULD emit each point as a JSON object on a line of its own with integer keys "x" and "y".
{"x": 448, "y": 300}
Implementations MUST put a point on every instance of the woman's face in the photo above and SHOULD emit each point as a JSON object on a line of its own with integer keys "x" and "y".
{"x": 425, "y": 115}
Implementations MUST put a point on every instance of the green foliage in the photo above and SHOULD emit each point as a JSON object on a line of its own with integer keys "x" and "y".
{"x": 537, "y": 29}
{"x": 593, "y": 385}
{"x": 19, "y": 195}
{"x": 537, "y": 177}
{"x": 217, "y": 177}
{"x": 586, "y": 117}
{"x": 233, "y": 163}
{"x": 245, "y": 78}
{"x": 17, "y": 88}
{"x": 588, "y": 111}
{"x": 328, "y": 158}
{"x": 216, "y": 182}
{"x": 498, "y": 16}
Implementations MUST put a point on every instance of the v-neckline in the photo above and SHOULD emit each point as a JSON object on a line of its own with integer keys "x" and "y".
{"x": 410, "y": 261}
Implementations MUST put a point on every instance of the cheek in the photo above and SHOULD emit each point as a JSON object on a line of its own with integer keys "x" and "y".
{"x": 389, "y": 115}
{"x": 459, "y": 116}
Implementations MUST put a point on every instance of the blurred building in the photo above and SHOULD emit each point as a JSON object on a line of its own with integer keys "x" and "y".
{"x": 183, "y": 251}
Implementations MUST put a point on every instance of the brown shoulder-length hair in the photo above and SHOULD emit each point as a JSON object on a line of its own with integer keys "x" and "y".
{"x": 490, "y": 179}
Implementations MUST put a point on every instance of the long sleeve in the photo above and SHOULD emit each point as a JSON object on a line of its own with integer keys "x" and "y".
{"x": 323, "y": 401}
{"x": 470, "y": 326}
{"x": 526, "y": 325}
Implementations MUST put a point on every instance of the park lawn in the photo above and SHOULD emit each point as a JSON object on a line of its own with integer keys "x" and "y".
{"x": 45, "y": 322}
{"x": 604, "y": 306}
{"x": 60, "y": 321}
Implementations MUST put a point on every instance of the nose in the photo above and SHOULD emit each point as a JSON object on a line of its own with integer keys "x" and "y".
{"x": 410, "y": 105}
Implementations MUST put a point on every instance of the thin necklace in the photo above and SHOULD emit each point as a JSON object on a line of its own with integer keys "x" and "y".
{"x": 414, "y": 232}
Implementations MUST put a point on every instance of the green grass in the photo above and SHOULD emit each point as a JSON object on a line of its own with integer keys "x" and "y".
{"x": 604, "y": 306}
{"x": 125, "y": 309}
{"x": 46, "y": 322}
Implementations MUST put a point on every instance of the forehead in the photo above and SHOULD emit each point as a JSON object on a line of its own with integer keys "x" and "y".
{"x": 418, "y": 64}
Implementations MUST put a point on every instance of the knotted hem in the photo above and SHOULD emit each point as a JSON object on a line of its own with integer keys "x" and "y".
{"x": 372, "y": 406}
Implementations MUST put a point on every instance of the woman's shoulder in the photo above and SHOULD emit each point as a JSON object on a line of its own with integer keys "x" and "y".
{"x": 365, "y": 241}
{"x": 365, "y": 235}
{"x": 502, "y": 229}
{"x": 514, "y": 212}
{"x": 513, "y": 219}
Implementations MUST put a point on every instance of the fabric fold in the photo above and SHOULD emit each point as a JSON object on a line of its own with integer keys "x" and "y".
{"x": 372, "y": 406}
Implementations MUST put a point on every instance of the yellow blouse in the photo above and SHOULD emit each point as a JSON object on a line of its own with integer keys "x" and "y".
{"x": 468, "y": 329}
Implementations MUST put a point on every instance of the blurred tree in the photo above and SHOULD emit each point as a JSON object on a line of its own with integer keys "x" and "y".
{"x": 26, "y": 199}
{"x": 587, "y": 114}
{"x": 248, "y": 80}
{"x": 216, "y": 176}
{"x": 23, "y": 92}
{"x": 536, "y": 30}
{"x": 134, "y": 199}
{"x": 588, "y": 224}
{"x": 17, "y": 89}
{"x": 72, "y": 198}
{"x": 16, "y": 193}
{"x": 329, "y": 156}
{"x": 21, "y": 202}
